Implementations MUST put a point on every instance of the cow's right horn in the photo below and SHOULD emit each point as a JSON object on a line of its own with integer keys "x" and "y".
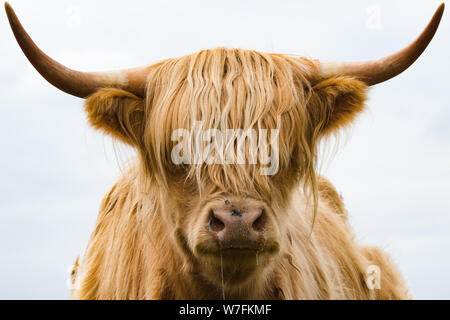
{"x": 80, "y": 84}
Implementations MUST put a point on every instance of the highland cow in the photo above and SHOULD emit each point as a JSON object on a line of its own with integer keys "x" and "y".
{"x": 213, "y": 230}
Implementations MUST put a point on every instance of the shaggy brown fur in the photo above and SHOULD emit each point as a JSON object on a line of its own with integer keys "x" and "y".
{"x": 150, "y": 240}
{"x": 328, "y": 193}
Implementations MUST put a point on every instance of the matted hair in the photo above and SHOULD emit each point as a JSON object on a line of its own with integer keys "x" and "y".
{"x": 228, "y": 89}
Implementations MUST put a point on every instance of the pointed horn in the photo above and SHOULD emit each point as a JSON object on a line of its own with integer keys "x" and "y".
{"x": 80, "y": 84}
{"x": 377, "y": 71}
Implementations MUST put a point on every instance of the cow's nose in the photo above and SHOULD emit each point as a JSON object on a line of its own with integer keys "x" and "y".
{"x": 237, "y": 227}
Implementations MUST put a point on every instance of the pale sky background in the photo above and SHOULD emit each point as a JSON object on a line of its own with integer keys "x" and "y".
{"x": 393, "y": 168}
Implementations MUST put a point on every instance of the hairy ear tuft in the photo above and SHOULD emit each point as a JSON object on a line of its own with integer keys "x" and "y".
{"x": 118, "y": 113}
{"x": 335, "y": 103}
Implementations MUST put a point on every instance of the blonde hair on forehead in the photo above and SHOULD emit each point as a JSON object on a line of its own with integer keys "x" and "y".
{"x": 231, "y": 89}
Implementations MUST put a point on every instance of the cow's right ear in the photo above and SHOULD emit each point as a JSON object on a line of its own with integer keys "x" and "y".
{"x": 118, "y": 113}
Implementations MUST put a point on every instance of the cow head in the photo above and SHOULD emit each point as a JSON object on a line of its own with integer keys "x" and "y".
{"x": 229, "y": 218}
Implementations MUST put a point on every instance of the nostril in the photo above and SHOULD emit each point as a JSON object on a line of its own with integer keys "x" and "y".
{"x": 259, "y": 223}
{"x": 215, "y": 224}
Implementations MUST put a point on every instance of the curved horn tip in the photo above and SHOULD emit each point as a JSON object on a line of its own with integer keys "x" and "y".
{"x": 10, "y": 13}
{"x": 380, "y": 70}
{"x": 440, "y": 11}
{"x": 8, "y": 8}
{"x": 80, "y": 84}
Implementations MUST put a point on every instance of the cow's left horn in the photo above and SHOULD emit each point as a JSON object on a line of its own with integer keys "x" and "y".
{"x": 377, "y": 71}
{"x": 80, "y": 84}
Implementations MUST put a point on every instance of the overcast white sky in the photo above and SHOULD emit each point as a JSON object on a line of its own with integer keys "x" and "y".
{"x": 393, "y": 169}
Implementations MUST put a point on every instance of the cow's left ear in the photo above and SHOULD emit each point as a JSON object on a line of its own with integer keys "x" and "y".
{"x": 335, "y": 102}
{"x": 118, "y": 113}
